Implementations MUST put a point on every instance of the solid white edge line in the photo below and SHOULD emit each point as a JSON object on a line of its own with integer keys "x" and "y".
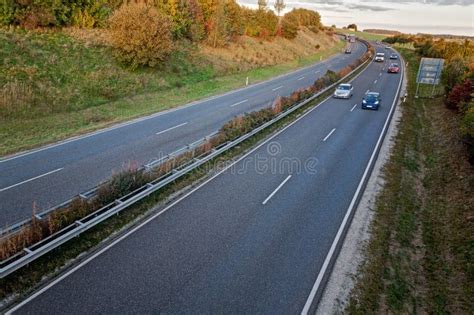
{"x": 277, "y": 88}
{"x": 330, "y": 134}
{"x": 352, "y": 109}
{"x": 139, "y": 226}
{"x": 276, "y": 190}
{"x": 332, "y": 250}
{"x": 31, "y": 179}
{"x": 241, "y": 102}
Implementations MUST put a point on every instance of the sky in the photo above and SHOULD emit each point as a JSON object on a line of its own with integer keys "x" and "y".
{"x": 408, "y": 16}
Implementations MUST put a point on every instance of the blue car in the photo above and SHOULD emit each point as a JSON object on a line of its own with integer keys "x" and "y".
{"x": 371, "y": 101}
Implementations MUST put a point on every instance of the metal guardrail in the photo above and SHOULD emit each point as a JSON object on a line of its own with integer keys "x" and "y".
{"x": 92, "y": 192}
{"x": 53, "y": 241}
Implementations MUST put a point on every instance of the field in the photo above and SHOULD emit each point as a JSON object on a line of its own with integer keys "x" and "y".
{"x": 58, "y": 84}
{"x": 364, "y": 35}
{"x": 419, "y": 258}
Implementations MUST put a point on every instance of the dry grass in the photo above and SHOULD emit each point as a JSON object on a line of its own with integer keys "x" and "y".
{"x": 249, "y": 53}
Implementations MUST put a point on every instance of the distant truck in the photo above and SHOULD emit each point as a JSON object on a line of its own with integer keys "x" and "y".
{"x": 352, "y": 38}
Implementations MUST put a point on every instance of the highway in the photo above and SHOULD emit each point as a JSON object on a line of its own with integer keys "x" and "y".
{"x": 251, "y": 239}
{"x": 53, "y": 174}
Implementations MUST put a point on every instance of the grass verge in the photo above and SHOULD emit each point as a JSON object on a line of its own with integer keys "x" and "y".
{"x": 419, "y": 258}
{"x": 364, "y": 35}
{"x": 54, "y": 86}
{"x": 30, "y": 277}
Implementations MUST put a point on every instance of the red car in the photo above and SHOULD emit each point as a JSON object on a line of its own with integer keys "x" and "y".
{"x": 394, "y": 68}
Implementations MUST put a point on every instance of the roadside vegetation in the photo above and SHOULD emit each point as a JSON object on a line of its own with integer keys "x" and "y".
{"x": 419, "y": 258}
{"x": 71, "y": 68}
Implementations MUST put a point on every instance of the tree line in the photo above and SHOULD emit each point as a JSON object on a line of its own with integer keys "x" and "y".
{"x": 217, "y": 20}
{"x": 144, "y": 32}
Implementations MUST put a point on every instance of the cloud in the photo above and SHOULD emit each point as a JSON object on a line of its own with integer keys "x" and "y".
{"x": 363, "y": 7}
{"x": 428, "y": 2}
{"x": 333, "y": 5}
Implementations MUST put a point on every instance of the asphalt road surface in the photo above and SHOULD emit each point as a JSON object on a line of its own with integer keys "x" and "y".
{"x": 51, "y": 175}
{"x": 252, "y": 239}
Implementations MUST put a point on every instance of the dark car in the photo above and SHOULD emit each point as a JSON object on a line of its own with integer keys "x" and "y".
{"x": 371, "y": 101}
{"x": 393, "y": 56}
{"x": 393, "y": 68}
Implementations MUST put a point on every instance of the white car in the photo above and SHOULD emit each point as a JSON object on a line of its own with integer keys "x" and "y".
{"x": 344, "y": 90}
{"x": 380, "y": 57}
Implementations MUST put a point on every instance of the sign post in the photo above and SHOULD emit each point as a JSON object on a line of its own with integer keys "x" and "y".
{"x": 429, "y": 73}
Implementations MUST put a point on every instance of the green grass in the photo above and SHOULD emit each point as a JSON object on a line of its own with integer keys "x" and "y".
{"x": 364, "y": 35}
{"x": 419, "y": 258}
{"x": 54, "y": 87}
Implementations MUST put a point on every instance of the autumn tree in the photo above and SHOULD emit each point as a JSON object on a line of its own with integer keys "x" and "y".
{"x": 187, "y": 17}
{"x": 140, "y": 35}
{"x": 260, "y": 23}
{"x": 352, "y": 26}
{"x": 262, "y": 4}
{"x": 453, "y": 73}
{"x": 279, "y": 6}
{"x": 304, "y": 18}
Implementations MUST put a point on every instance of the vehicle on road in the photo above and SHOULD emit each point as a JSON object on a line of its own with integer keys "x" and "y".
{"x": 371, "y": 100}
{"x": 348, "y": 51}
{"x": 387, "y": 47}
{"x": 393, "y": 57}
{"x": 393, "y": 68}
{"x": 380, "y": 57}
{"x": 344, "y": 90}
{"x": 352, "y": 38}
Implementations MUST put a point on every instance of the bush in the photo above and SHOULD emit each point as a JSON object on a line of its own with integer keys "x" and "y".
{"x": 40, "y": 13}
{"x": 329, "y": 78}
{"x": 7, "y": 12}
{"x": 140, "y": 35}
{"x": 289, "y": 28}
{"x": 260, "y": 23}
{"x": 460, "y": 94}
{"x": 303, "y": 17}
